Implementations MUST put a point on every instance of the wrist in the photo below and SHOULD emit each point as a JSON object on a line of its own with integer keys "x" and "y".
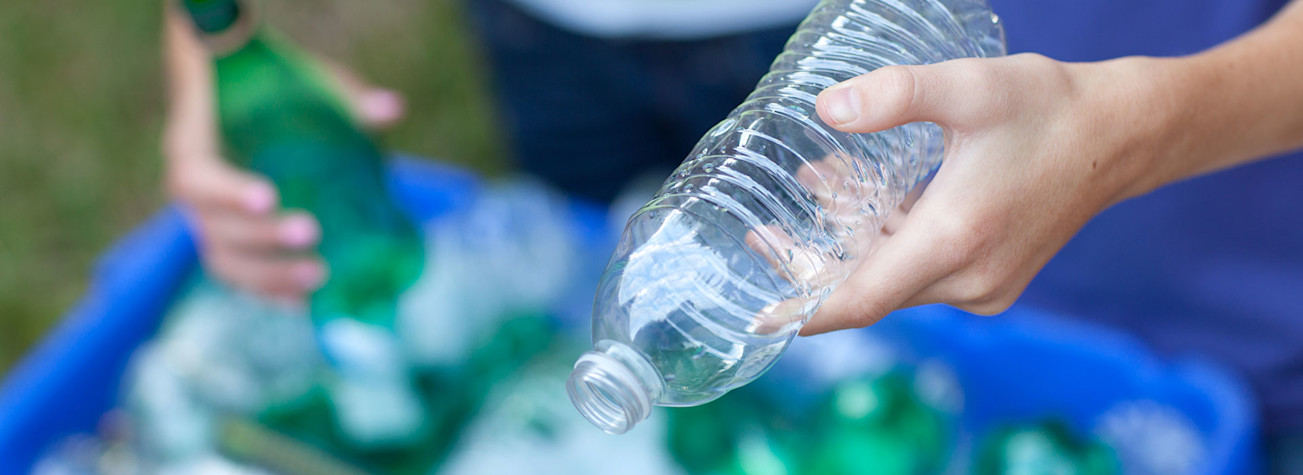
{"x": 1152, "y": 126}
{"x": 1213, "y": 110}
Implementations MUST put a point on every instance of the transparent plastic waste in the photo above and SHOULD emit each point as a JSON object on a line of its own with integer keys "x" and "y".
{"x": 716, "y": 274}
{"x": 219, "y": 353}
{"x": 1149, "y": 438}
{"x": 374, "y": 399}
{"x": 233, "y": 383}
{"x": 509, "y": 253}
{"x": 528, "y": 426}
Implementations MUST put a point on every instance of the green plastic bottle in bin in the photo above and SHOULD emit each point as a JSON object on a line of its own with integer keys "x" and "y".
{"x": 281, "y": 118}
{"x": 1048, "y": 446}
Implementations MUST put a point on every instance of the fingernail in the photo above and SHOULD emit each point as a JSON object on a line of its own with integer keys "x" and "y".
{"x": 309, "y": 277}
{"x": 259, "y": 198}
{"x": 383, "y": 105}
{"x": 298, "y": 231}
{"x": 843, "y": 105}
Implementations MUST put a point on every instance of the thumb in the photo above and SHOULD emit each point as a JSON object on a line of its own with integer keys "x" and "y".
{"x": 373, "y": 106}
{"x": 897, "y": 95}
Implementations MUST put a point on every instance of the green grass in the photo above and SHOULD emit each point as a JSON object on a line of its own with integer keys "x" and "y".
{"x": 81, "y": 106}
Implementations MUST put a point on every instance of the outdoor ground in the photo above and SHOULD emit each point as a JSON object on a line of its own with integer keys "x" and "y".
{"x": 81, "y": 105}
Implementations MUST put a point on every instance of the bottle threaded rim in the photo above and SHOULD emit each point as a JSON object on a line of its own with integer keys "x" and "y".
{"x": 607, "y": 393}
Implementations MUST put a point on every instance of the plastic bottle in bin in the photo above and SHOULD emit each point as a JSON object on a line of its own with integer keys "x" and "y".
{"x": 716, "y": 274}
{"x": 1048, "y": 446}
{"x": 872, "y": 422}
{"x": 880, "y": 426}
{"x": 279, "y": 116}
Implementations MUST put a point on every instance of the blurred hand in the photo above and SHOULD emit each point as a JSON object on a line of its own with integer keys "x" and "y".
{"x": 244, "y": 238}
{"x": 1034, "y": 149}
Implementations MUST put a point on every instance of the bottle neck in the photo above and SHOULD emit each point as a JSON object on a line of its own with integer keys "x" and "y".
{"x": 224, "y": 26}
{"x": 614, "y": 387}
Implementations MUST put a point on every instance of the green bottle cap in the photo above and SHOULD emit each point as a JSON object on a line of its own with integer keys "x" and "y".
{"x": 213, "y": 16}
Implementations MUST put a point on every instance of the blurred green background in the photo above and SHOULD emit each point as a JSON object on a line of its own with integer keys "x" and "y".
{"x": 82, "y": 104}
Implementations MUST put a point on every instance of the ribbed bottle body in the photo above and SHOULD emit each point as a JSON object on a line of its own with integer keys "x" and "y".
{"x": 773, "y": 208}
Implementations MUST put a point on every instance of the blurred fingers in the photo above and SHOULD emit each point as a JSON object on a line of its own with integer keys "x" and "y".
{"x": 374, "y": 107}
{"x": 292, "y": 232}
{"x": 212, "y": 185}
{"x": 283, "y": 277}
{"x": 379, "y": 108}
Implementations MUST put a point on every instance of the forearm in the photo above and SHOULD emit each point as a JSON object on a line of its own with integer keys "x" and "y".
{"x": 190, "y": 125}
{"x": 1233, "y": 104}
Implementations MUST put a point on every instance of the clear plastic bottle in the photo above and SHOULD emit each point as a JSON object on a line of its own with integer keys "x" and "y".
{"x": 717, "y": 273}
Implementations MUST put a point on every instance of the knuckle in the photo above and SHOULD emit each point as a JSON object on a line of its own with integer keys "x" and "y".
{"x": 895, "y": 90}
{"x": 217, "y": 232}
{"x": 178, "y": 183}
{"x": 977, "y": 291}
{"x": 990, "y": 91}
{"x": 221, "y": 264}
{"x": 866, "y": 310}
{"x": 987, "y": 309}
{"x": 1034, "y": 61}
{"x": 1043, "y": 68}
{"x": 959, "y": 240}
{"x": 201, "y": 226}
{"x": 979, "y": 74}
{"x": 992, "y": 304}
{"x": 987, "y": 291}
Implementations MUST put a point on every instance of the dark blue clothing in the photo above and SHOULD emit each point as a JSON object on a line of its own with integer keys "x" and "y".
{"x": 1210, "y": 266}
{"x": 589, "y": 115}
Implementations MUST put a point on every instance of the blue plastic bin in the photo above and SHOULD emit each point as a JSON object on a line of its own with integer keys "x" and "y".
{"x": 72, "y": 378}
{"x": 1026, "y": 365}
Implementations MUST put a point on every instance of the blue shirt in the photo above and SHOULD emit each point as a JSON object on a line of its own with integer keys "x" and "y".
{"x": 1210, "y": 266}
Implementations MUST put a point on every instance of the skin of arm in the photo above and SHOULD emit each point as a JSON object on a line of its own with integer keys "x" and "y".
{"x": 1035, "y": 148}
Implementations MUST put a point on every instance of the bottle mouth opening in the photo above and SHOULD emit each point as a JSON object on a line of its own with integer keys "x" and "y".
{"x": 607, "y": 393}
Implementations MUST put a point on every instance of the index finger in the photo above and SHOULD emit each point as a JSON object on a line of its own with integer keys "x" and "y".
{"x": 212, "y": 185}
{"x": 886, "y": 280}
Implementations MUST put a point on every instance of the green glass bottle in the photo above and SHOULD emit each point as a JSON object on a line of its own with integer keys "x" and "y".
{"x": 280, "y": 117}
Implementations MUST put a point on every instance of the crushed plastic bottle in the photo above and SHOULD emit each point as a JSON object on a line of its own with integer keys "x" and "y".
{"x": 219, "y": 353}
{"x": 474, "y": 277}
{"x": 1152, "y": 439}
{"x": 528, "y": 426}
{"x": 373, "y": 396}
{"x": 717, "y": 273}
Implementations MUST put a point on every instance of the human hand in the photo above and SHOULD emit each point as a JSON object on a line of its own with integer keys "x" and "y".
{"x": 244, "y": 239}
{"x": 1034, "y": 149}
